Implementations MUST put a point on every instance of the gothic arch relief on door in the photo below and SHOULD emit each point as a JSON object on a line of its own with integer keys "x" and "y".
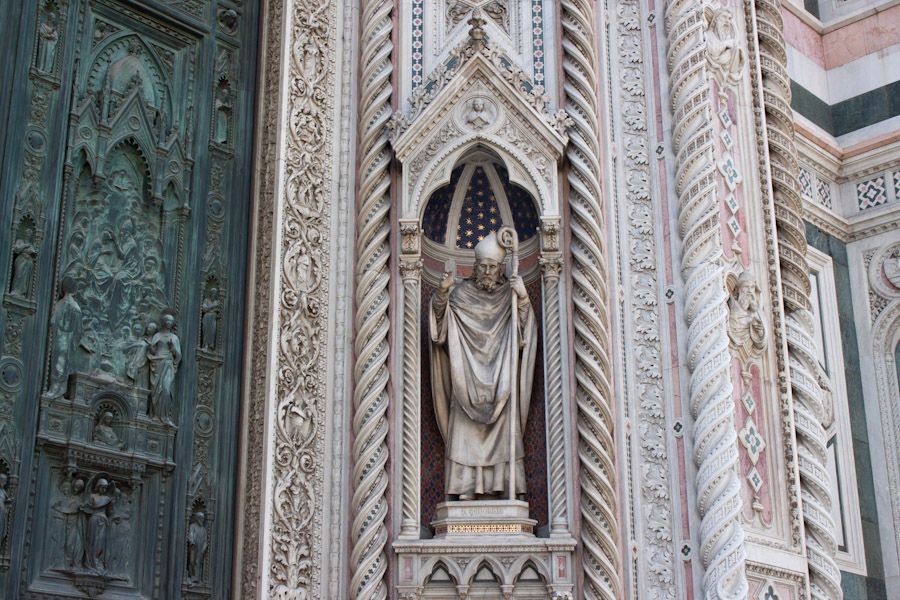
{"x": 122, "y": 310}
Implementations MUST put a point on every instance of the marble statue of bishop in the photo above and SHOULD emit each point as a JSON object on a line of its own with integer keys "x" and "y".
{"x": 473, "y": 371}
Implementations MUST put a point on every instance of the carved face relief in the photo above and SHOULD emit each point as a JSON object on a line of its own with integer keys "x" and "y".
{"x": 478, "y": 113}
{"x": 892, "y": 269}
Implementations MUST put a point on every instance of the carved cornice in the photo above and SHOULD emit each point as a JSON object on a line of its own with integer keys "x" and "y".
{"x": 591, "y": 320}
{"x": 722, "y": 547}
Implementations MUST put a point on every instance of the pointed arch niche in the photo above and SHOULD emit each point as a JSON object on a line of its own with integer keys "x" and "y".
{"x": 478, "y": 154}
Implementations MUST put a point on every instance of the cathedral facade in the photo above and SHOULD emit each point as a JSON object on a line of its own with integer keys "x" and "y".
{"x": 450, "y": 299}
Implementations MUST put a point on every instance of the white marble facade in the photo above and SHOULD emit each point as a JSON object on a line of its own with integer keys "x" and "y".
{"x": 678, "y": 462}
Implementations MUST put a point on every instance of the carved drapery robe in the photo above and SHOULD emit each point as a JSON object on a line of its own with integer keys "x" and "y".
{"x": 472, "y": 377}
{"x": 164, "y": 355}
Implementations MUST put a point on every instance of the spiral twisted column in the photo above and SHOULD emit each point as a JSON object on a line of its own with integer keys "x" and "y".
{"x": 722, "y": 548}
{"x": 368, "y": 505}
{"x": 593, "y": 389}
{"x": 551, "y": 266}
{"x": 812, "y": 409}
{"x": 411, "y": 274}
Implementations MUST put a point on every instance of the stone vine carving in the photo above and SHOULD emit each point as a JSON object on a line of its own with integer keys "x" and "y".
{"x": 593, "y": 391}
{"x": 369, "y": 504}
{"x": 253, "y": 547}
{"x": 715, "y": 449}
{"x": 812, "y": 406}
{"x": 644, "y": 276}
{"x": 299, "y": 421}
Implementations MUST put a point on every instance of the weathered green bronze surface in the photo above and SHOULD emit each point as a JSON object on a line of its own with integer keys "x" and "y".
{"x": 125, "y": 184}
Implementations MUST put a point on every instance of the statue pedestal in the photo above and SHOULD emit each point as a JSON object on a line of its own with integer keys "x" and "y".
{"x": 482, "y": 517}
{"x": 471, "y": 536}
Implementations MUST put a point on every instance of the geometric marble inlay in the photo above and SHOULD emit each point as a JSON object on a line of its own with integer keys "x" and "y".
{"x": 871, "y": 193}
{"x": 755, "y": 480}
{"x": 727, "y": 140}
{"x": 725, "y": 117}
{"x": 768, "y": 593}
{"x": 805, "y": 183}
{"x": 751, "y": 440}
{"x": 732, "y": 204}
{"x": 824, "y": 190}
{"x": 749, "y": 402}
{"x": 729, "y": 172}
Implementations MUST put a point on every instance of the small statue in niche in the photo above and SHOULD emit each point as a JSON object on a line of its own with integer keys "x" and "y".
{"x": 99, "y": 513}
{"x": 67, "y": 326}
{"x": 198, "y": 541}
{"x": 5, "y": 503}
{"x": 746, "y": 328}
{"x": 24, "y": 257}
{"x": 104, "y": 432}
{"x": 48, "y": 38}
{"x": 209, "y": 322}
{"x": 478, "y": 115}
{"x": 73, "y": 519}
{"x": 138, "y": 369}
{"x": 164, "y": 355}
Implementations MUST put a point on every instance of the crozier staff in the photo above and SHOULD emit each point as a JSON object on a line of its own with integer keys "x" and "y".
{"x": 478, "y": 353}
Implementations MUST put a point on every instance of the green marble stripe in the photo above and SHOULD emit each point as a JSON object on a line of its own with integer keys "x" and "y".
{"x": 849, "y": 115}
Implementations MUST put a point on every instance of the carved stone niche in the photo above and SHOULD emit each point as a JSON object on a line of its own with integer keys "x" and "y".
{"x": 106, "y": 464}
{"x": 484, "y": 111}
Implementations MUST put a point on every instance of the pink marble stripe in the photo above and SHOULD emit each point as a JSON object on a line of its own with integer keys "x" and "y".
{"x": 678, "y": 412}
{"x": 804, "y": 38}
{"x": 862, "y": 38}
{"x": 845, "y": 44}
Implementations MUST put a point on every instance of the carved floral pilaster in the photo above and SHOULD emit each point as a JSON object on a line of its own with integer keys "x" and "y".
{"x": 642, "y": 277}
{"x": 282, "y": 506}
